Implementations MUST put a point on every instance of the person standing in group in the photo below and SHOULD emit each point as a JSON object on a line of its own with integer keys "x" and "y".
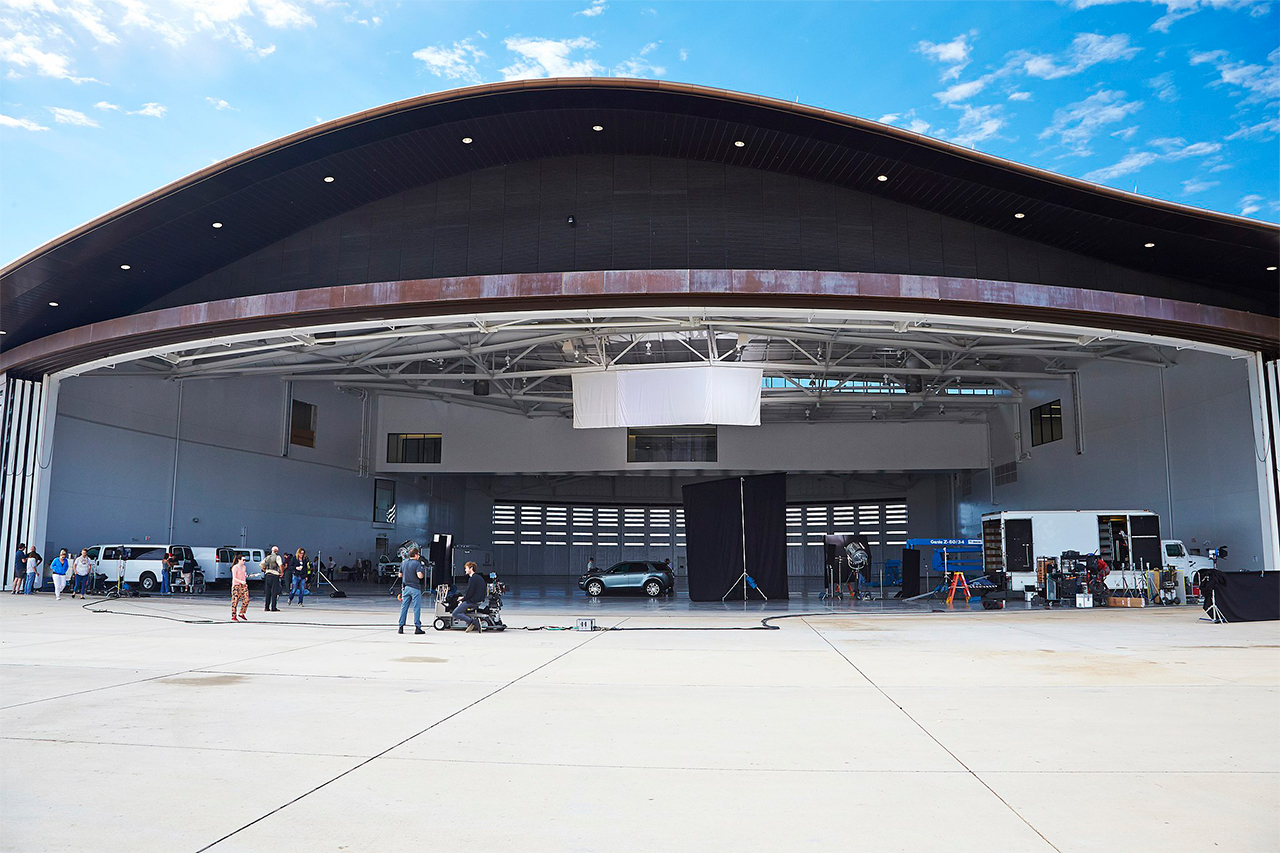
{"x": 59, "y": 568}
{"x": 271, "y": 572}
{"x": 81, "y": 566}
{"x": 33, "y": 570}
{"x": 301, "y": 568}
{"x": 19, "y": 569}
{"x": 239, "y": 589}
{"x": 412, "y": 573}
{"x": 286, "y": 571}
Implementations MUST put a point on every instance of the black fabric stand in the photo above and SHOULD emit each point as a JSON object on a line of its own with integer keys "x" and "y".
{"x": 1243, "y": 596}
{"x": 718, "y": 515}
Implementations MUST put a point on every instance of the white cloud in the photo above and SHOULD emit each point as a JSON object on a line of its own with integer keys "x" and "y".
{"x": 953, "y": 54}
{"x": 1251, "y": 204}
{"x": 1171, "y": 148}
{"x": 281, "y": 14}
{"x": 1019, "y": 96}
{"x": 1176, "y": 10}
{"x": 1197, "y": 185}
{"x": 964, "y": 91}
{"x": 1076, "y": 124}
{"x": 1129, "y": 164}
{"x": 907, "y": 120}
{"x": 1086, "y": 51}
{"x": 220, "y": 104}
{"x": 1164, "y": 88}
{"x": 1176, "y": 148}
{"x": 684, "y": 54}
{"x": 1125, "y": 133}
{"x": 27, "y": 52}
{"x": 74, "y": 117}
{"x": 639, "y": 66}
{"x": 1255, "y": 82}
{"x": 541, "y": 57}
{"x": 1264, "y": 128}
{"x": 151, "y": 109}
{"x": 458, "y": 61}
{"x": 596, "y": 8}
{"x": 20, "y": 123}
{"x": 978, "y": 124}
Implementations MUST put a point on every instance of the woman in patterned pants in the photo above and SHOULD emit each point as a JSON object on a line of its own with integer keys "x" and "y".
{"x": 239, "y": 590}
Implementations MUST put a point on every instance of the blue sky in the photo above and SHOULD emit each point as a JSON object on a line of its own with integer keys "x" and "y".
{"x": 104, "y": 100}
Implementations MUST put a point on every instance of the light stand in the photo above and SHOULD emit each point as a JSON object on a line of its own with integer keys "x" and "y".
{"x": 1212, "y": 613}
{"x": 744, "y": 578}
{"x": 337, "y": 593}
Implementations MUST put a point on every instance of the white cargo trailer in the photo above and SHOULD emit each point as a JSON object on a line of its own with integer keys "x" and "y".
{"x": 1128, "y": 539}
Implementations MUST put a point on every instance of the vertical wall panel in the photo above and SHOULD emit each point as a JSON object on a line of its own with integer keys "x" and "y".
{"x": 669, "y": 213}
{"x": 593, "y": 207}
{"x": 632, "y": 201}
{"x": 520, "y": 218}
{"x": 556, "y": 196}
{"x": 706, "y": 216}
{"x": 453, "y": 211}
{"x": 818, "y": 226}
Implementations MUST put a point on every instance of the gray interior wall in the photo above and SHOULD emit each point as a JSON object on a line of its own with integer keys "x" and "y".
{"x": 1210, "y": 493}
{"x": 477, "y": 440}
{"x": 113, "y": 469}
{"x": 927, "y": 496}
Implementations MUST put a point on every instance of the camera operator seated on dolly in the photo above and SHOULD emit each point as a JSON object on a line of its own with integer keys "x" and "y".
{"x": 478, "y": 607}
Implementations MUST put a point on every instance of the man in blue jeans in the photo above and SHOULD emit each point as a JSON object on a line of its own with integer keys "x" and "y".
{"x": 411, "y": 572}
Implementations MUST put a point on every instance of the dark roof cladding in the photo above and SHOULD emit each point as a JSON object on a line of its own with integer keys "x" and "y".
{"x": 136, "y": 255}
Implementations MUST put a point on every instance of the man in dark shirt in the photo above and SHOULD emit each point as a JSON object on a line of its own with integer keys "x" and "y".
{"x": 411, "y": 572}
{"x": 19, "y": 568}
{"x": 477, "y": 593}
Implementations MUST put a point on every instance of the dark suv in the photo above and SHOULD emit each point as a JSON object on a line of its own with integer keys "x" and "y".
{"x": 653, "y": 579}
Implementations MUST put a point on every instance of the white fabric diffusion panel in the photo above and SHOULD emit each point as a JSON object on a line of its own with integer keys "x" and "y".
{"x": 667, "y": 396}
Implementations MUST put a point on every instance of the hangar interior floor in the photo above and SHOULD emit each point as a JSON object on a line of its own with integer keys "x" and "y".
{"x": 326, "y": 731}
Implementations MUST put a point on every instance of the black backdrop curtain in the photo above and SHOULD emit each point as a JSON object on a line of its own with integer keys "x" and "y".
{"x": 1242, "y": 596}
{"x": 713, "y": 518}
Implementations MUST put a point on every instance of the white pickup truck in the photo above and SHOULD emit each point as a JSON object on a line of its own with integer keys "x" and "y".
{"x": 1176, "y": 557}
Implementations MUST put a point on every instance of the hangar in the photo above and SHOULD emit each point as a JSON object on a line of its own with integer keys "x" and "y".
{"x": 372, "y": 330}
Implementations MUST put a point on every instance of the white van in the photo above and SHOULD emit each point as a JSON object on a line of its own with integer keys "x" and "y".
{"x": 138, "y": 563}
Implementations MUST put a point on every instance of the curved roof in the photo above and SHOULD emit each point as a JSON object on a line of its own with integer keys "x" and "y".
{"x": 277, "y": 189}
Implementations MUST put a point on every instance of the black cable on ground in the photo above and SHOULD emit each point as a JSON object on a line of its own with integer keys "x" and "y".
{"x": 765, "y": 623}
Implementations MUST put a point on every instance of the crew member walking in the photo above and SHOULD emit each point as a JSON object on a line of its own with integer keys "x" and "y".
{"x": 239, "y": 589}
{"x": 301, "y": 568}
{"x": 271, "y": 571}
{"x": 412, "y": 573}
{"x": 82, "y": 566}
{"x": 59, "y": 567}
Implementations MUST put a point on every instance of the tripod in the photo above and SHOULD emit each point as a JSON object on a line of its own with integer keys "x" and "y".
{"x": 1212, "y": 612}
{"x": 745, "y": 579}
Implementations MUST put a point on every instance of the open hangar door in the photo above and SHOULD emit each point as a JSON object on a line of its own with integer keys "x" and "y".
{"x": 1033, "y": 416}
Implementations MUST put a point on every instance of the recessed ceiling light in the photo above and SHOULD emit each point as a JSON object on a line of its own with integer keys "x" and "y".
{"x": 467, "y": 140}
{"x": 738, "y": 143}
{"x": 328, "y": 179}
{"x": 1019, "y": 216}
{"x": 597, "y": 127}
{"x": 882, "y": 177}
{"x": 1149, "y": 245}
{"x": 125, "y": 267}
{"x": 53, "y": 305}
{"x": 1271, "y": 269}
{"x": 3, "y": 332}
{"x": 217, "y": 225}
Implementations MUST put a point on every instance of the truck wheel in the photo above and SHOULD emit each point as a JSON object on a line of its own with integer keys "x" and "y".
{"x": 594, "y": 588}
{"x": 147, "y": 582}
{"x": 653, "y": 589}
